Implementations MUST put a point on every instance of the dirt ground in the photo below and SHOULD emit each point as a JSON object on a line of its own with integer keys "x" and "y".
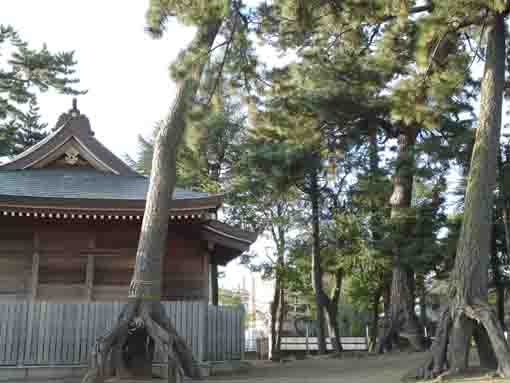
{"x": 371, "y": 369}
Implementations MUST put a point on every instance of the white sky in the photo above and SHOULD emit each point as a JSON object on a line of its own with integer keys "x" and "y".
{"x": 124, "y": 70}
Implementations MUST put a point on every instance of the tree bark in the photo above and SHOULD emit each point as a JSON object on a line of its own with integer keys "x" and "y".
{"x": 402, "y": 318}
{"x": 321, "y": 299}
{"x": 469, "y": 314}
{"x": 332, "y": 310}
{"x": 143, "y": 325}
{"x": 420, "y": 284}
{"x": 278, "y": 310}
{"x": 496, "y": 273}
{"x": 275, "y": 304}
{"x": 282, "y": 313}
{"x": 374, "y": 327}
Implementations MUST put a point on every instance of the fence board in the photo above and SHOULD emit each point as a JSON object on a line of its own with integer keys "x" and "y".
{"x": 46, "y": 334}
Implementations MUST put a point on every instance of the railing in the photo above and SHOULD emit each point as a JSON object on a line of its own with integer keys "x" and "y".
{"x": 51, "y": 334}
{"x": 311, "y": 344}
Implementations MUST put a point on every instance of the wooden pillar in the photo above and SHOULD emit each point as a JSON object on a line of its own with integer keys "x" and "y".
{"x": 214, "y": 283}
{"x": 89, "y": 281}
{"x": 213, "y": 267}
{"x": 35, "y": 267}
{"x": 89, "y": 278}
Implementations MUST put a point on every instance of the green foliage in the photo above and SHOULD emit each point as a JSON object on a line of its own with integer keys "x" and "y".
{"x": 210, "y": 146}
{"x": 194, "y": 12}
{"x": 28, "y": 129}
{"x": 25, "y": 73}
{"x": 358, "y": 76}
{"x": 228, "y": 297}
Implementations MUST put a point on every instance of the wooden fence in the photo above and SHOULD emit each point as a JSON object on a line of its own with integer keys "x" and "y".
{"x": 51, "y": 334}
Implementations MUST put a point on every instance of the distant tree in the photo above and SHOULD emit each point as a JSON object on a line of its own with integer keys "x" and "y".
{"x": 28, "y": 130}
{"x": 27, "y": 73}
{"x": 227, "y": 297}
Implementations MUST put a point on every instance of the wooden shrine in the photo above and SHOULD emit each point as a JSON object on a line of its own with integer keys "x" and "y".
{"x": 70, "y": 217}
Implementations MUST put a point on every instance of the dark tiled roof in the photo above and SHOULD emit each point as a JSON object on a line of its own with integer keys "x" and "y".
{"x": 233, "y": 231}
{"x": 79, "y": 184}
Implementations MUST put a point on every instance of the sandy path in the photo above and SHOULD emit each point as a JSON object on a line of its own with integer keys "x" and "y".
{"x": 374, "y": 369}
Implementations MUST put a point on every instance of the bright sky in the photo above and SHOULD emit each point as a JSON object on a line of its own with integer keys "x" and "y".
{"x": 123, "y": 69}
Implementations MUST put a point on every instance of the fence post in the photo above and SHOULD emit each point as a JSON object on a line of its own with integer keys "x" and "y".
{"x": 367, "y": 337}
{"x": 242, "y": 328}
{"x": 204, "y": 334}
{"x": 306, "y": 339}
{"x": 22, "y": 333}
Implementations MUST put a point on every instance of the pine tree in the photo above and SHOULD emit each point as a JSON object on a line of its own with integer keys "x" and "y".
{"x": 143, "y": 321}
{"x": 29, "y": 129}
{"x": 27, "y": 73}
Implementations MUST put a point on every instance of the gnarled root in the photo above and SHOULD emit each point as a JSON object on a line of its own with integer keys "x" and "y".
{"x": 450, "y": 351}
{"x": 128, "y": 349}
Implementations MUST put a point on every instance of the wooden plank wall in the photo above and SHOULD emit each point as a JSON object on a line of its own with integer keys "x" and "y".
{"x": 92, "y": 261}
{"x": 50, "y": 334}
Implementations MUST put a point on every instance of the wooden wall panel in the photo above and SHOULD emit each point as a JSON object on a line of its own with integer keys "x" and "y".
{"x": 63, "y": 240}
{"x": 110, "y": 293}
{"x": 65, "y": 244}
{"x": 62, "y": 269}
{"x": 15, "y": 271}
{"x": 61, "y": 292}
{"x": 117, "y": 237}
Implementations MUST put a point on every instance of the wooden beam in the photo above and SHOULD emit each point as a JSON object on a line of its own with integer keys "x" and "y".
{"x": 206, "y": 259}
{"x": 35, "y": 267}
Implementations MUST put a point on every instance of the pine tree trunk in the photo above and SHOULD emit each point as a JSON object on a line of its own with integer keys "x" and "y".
{"x": 402, "y": 318}
{"x": 468, "y": 313}
{"x": 278, "y": 310}
{"x": 143, "y": 325}
{"x": 374, "y": 328}
{"x": 321, "y": 298}
{"x": 420, "y": 284}
{"x": 496, "y": 273}
{"x": 281, "y": 318}
{"x": 275, "y": 304}
{"x": 332, "y": 310}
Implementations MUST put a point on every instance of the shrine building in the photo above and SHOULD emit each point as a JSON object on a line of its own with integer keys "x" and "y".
{"x": 70, "y": 218}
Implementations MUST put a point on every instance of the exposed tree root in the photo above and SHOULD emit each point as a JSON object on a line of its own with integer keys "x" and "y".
{"x": 450, "y": 351}
{"x": 127, "y": 351}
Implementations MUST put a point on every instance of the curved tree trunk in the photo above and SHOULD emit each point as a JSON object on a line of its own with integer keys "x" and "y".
{"x": 332, "y": 310}
{"x": 468, "y": 313}
{"x": 278, "y": 309}
{"x": 275, "y": 307}
{"x": 402, "y": 319}
{"x": 321, "y": 299}
{"x": 129, "y": 348}
{"x": 282, "y": 313}
{"x": 374, "y": 325}
{"x": 496, "y": 274}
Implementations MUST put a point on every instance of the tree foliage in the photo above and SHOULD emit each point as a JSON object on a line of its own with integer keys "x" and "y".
{"x": 25, "y": 73}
